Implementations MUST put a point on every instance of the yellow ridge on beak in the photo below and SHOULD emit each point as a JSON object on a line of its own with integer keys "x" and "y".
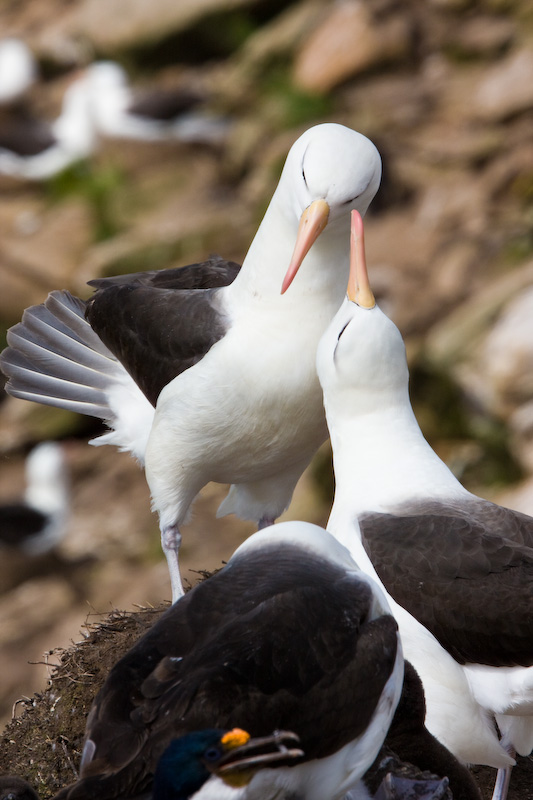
{"x": 240, "y": 763}
{"x": 235, "y": 738}
{"x": 359, "y": 290}
{"x": 312, "y": 222}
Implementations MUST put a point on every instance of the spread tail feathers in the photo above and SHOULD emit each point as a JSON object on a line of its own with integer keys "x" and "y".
{"x": 55, "y": 358}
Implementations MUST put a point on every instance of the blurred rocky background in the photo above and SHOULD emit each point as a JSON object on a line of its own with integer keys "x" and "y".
{"x": 445, "y": 90}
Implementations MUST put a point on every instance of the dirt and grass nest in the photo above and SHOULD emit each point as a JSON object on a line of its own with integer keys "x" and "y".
{"x": 43, "y": 744}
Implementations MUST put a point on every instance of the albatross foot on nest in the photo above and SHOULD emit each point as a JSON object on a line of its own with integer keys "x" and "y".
{"x": 171, "y": 543}
{"x": 503, "y": 778}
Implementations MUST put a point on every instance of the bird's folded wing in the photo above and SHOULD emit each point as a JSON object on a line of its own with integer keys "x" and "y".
{"x": 459, "y": 578}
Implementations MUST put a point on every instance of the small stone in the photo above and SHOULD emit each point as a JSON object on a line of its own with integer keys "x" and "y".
{"x": 450, "y": 5}
{"x": 488, "y": 347}
{"x": 508, "y": 355}
{"x": 451, "y": 269}
{"x": 109, "y": 27}
{"x": 31, "y": 608}
{"x": 485, "y": 35}
{"x": 468, "y": 145}
{"x": 346, "y": 43}
{"x": 507, "y": 88}
{"x": 455, "y": 340}
{"x": 36, "y": 261}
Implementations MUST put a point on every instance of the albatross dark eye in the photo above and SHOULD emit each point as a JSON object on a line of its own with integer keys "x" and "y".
{"x": 213, "y": 753}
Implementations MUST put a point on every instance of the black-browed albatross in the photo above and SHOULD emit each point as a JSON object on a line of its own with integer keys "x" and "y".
{"x": 152, "y": 115}
{"x": 213, "y": 384}
{"x": 289, "y": 635}
{"x": 36, "y": 149}
{"x": 37, "y": 522}
{"x": 458, "y": 569}
{"x": 18, "y": 70}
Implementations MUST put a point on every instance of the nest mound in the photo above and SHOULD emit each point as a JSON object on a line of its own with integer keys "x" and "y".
{"x": 44, "y": 743}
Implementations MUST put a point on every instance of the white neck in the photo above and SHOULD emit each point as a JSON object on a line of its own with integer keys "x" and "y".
{"x": 381, "y": 460}
{"x": 47, "y": 485}
{"x": 323, "y": 274}
{"x": 74, "y": 128}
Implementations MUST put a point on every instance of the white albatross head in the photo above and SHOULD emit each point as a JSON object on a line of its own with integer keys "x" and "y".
{"x": 306, "y": 535}
{"x": 329, "y": 171}
{"x": 74, "y": 129}
{"x": 380, "y": 456}
{"x": 109, "y": 95}
{"x": 47, "y": 478}
{"x": 315, "y": 540}
{"x": 18, "y": 70}
{"x": 361, "y": 361}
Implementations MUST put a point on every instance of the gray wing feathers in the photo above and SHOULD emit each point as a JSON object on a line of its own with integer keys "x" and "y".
{"x": 36, "y": 356}
{"x": 55, "y": 358}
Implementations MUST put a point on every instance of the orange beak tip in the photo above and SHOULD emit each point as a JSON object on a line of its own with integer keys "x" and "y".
{"x": 312, "y": 222}
{"x": 289, "y": 276}
{"x": 358, "y": 290}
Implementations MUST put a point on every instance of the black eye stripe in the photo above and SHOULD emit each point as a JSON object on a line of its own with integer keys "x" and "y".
{"x": 338, "y": 340}
{"x": 342, "y": 331}
{"x": 348, "y": 202}
{"x": 303, "y": 171}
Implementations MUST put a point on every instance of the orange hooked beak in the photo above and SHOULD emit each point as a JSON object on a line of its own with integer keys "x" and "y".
{"x": 359, "y": 290}
{"x": 312, "y": 223}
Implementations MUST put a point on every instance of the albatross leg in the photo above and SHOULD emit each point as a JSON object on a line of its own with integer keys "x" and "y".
{"x": 170, "y": 542}
{"x": 501, "y": 786}
{"x": 503, "y": 777}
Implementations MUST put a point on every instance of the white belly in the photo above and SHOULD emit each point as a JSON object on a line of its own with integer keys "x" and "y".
{"x": 249, "y": 411}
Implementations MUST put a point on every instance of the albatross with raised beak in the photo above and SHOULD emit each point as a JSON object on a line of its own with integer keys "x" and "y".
{"x": 34, "y": 149}
{"x": 458, "y": 569}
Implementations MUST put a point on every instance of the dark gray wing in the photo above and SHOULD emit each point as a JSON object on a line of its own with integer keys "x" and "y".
{"x": 294, "y": 646}
{"x": 500, "y": 520}
{"x": 158, "y": 324}
{"x": 24, "y": 134}
{"x": 165, "y": 104}
{"x": 459, "y": 572}
{"x": 210, "y": 274}
{"x": 19, "y": 522}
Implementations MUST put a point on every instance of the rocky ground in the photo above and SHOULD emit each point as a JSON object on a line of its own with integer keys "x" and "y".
{"x": 444, "y": 88}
